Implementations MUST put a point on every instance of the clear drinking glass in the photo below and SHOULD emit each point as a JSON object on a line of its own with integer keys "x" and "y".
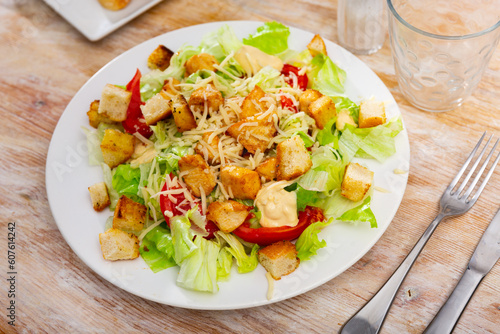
{"x": 362, "y": 25}
{"x": 441, "y": 48}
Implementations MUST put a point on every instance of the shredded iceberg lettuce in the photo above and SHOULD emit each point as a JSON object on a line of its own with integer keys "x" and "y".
{"x": 272, "y": 38}
{"x": 308, "y": 243}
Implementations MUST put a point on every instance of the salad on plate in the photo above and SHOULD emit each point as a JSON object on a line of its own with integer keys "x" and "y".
{"x": 233, "y": 152}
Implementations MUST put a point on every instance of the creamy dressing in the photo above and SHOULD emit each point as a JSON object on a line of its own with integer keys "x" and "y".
{"x": 253, "y": 60}
{"x": 278, "y": 207}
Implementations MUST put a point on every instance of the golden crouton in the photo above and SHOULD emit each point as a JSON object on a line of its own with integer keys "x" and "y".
{"x": 252, "y": 104}
{"x": 114, "y": 102}
{"x": 357, "y": 181}
{"x": 371, "y": 113}
{"x": 227, "y": 215}
{"x": 183, "y": 116}
{"x": 209, "y": 95}
{"x": 308, "y": 97}
{"x": 119, "y": 245}
{"x": 254, "y": 136}
{"x": 267, "y": 169}
{"x": 322, "y": 110}
{"x": 343, "y": 118}
{"x": 94, "y": 117}
{"x": 279, "y": 259}
{"x": 99, "y": 196}
{"x": 244, "y": 183}
{"x": 317, "y": 46}
{"x": 203, "y": 61}
{"x": 117, "y": 147}
{"x": 157, "y": 108}
{"x": 209, "y": 149}
{"x": 160, "y": 58}
{"x": 171, "y": 88}
{"x": 293, "y": 160}
{"x": 198, "y": 174}
{"x": 129, "y": 216}
{"x": 114, "y": 4}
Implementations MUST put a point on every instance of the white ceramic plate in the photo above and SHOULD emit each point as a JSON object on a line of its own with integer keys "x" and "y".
{"x": 93, "y": 20}
{"x": 68, "y": 175}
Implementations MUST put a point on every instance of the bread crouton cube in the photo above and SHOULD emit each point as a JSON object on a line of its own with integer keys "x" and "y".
{"x": 343, "y": 118}
{"x": 99, "y": 196}
{"x": 279, "y": 259}
{"x": 157, "y": 108}
{"x": 322, "y": 110}
{"x": 159, "y": 59}
{"x": 308, "y": 97}
{"x": 209, "y": 95}
{"x": 129, "y": 216}
{"x": 114, "y": 102}
{"x": 317, "y": 46}
{"x": 267, "y": 169}
{"x": 371, "y": 113}
{"x": 208, "y": 149}
{"x": 117, "y": 147}
{"x": 293, "y": 159}
{"x": 114, "y": 4}
{"x": 357, "y": 181}
{"x": 253, "y": 135}
{"x": 198, "y": 174}
{"x": 252, "y": 103}
{"x": 119, "y": 245}
{"x": 244, "y": 183}
{"x": 203, "y": 61}
{"x": 94, "y": 117}
{"x": 227, "y": 215}
{"x": 171, "y": 87}
{"x": 183, "y": 116}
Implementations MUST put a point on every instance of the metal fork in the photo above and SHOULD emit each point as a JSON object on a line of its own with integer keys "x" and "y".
{"x": 369, "y": 319}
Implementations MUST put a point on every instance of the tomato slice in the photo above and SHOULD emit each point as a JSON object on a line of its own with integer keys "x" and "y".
{"x": 287, "y": 103}
{"x": 268, "y": 235}
{"x": 135, "y": 121}
{"x": 302, "y": 80}
{"x": 178, "y": 210}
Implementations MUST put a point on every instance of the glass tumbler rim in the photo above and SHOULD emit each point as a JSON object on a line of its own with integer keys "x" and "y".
{"x": 436, "y": 36}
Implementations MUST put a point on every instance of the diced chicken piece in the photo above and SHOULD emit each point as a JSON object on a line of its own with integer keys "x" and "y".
{"x": 157, "y": 108}
{"x": 322, "y": 110}
{"x": 343, "y": 118}
{"x": 159, "y": 59}
{"x": 267, "y": 169}
{"x": 357, "y": 181}
{"x": 252, "y": 103}
{"x": 198, "y": 174}
{"x": 117, "y": 147}
{"x": 371, "y": 113}
{"x": 209, "y": 149}
{"x": 209, "y": 95}
{"x": 119, "y": 245}
{"x": 129, "y": 216}
{"x": 183, "y": 116}
{"x": 243, "y": 182}
{"x": 114, "y": 103}
{"x": 317, "y": 46}
{"x": 99, "y": 196}
{"x": 279, "y": 259}
{"x": 253, "y": 134}
{"x": 203, "y": 61}
{"x": 171, "y": 88}
{"x": 308, "y": 97}
{"x": 228, "y": 215}
{"x": 293, "y": 159}
{"x": 94, "y": 117}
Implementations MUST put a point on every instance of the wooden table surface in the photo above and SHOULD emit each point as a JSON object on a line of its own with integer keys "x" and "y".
{"x": 44, "y": 61}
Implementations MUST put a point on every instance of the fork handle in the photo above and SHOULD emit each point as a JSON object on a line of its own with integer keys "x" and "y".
{"x": 448, "y": 315}
{"x": 369, "y": 319}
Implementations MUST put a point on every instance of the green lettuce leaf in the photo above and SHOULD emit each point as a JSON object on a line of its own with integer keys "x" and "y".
{"x": 224, "y": 264}
{"x": 272, "y": 38}
{"x": 182, "y": 238}
{"x": 246, "y": 263}
{"x": 306, "y": 197}
{"x": 126, "y": 182}
{"x": 327, "y": 77}
{"x": 308, "y": 243}
{"x": 157, "y": 249}
{"x": 107, "y": 176}
{"x": 361, "y": 213}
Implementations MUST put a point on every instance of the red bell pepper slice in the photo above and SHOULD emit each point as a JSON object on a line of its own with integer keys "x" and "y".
{"x": 135, "y": 121}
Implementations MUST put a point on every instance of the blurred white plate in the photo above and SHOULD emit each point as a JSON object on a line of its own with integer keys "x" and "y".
{"x": 93, "y": 20}
{"x": 68, "y": 175}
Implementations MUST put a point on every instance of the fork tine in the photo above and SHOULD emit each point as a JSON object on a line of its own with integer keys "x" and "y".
{"x": 492, "y": 169}
{"x": 464, "y": 167}
{"x": 473, "y": 168}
